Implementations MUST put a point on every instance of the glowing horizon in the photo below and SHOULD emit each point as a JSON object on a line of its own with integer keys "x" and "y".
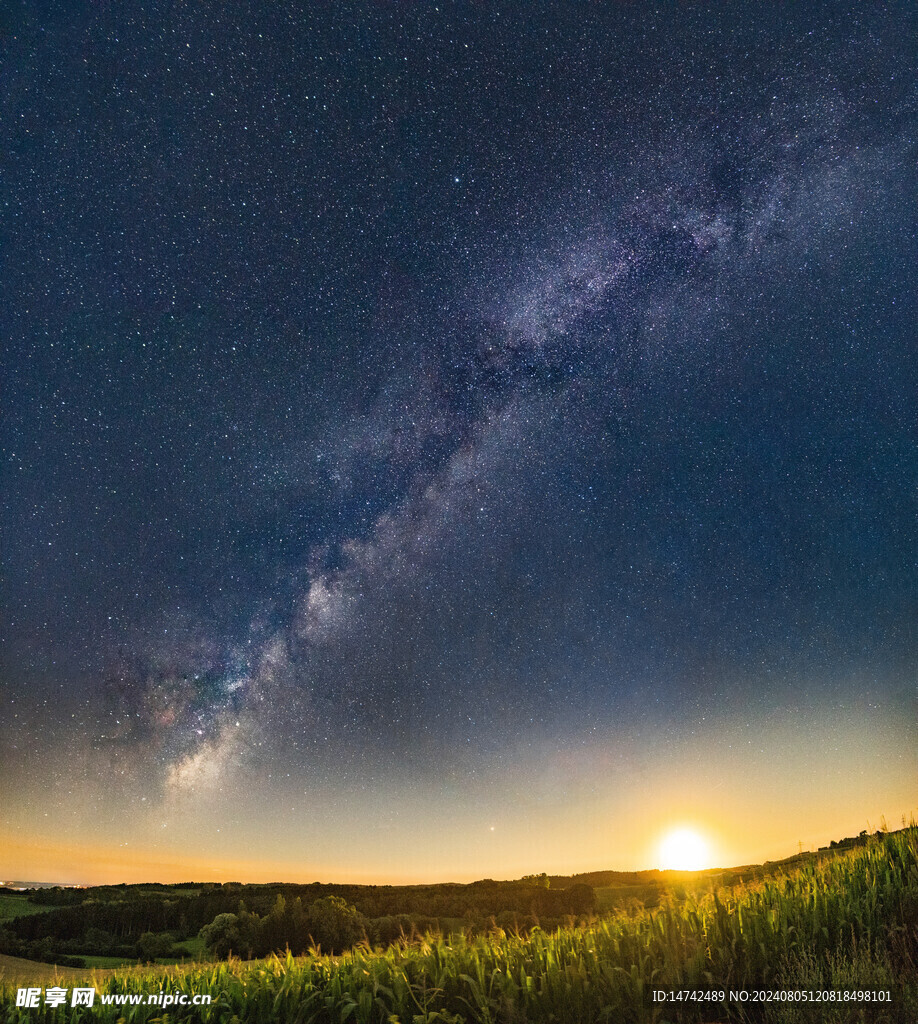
{"x": 546, "y": 814}
{"x": 158, "y": 867}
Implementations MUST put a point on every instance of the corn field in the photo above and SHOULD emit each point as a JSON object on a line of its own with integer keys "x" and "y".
{"x": 849, "y": 922}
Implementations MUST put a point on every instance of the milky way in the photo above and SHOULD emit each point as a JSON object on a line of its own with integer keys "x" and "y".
{"x": 401, "y": 407}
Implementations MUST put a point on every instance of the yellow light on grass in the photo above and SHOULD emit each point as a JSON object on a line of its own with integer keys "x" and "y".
{"x": 683, "y": 850}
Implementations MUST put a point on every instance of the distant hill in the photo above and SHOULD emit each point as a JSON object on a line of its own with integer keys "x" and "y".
{"x": 726, "y": 875}
{"x": 39, "y": 885}
{"x": 602, "y": 879}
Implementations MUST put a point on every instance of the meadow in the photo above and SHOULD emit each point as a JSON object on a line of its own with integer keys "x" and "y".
{"x": 845, "y": 922}
{"x": 17, "y": 906}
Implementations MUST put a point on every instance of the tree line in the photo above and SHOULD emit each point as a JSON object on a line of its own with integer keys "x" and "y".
{"x": 130, "y": 921}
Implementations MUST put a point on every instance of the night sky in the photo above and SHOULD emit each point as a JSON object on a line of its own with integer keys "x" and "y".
{"x": 444, "y": 442}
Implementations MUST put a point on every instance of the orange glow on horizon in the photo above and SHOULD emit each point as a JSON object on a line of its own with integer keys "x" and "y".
{"x": 601, "y": 806}
{"x": 87, "y": 864}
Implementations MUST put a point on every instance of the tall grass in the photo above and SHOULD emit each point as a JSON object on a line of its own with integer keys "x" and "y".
{"x": 850, "y": 921}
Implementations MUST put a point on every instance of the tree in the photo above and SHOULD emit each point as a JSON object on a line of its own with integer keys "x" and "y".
{"x": 152, "y": 945}
{"x": 334, "y": 924}
{"x": 222, "y": 935}
{"x": 273, "y": 930}
{"x": 581, "y": 899}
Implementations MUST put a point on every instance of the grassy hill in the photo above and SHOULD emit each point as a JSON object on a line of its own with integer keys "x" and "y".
{"x": 17, "y": 906}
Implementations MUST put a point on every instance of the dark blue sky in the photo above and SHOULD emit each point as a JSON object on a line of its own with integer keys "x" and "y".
{"x": 397, "y": 394}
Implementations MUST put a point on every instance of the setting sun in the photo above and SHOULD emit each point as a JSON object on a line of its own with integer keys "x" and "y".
{"x": 683, "y": 850}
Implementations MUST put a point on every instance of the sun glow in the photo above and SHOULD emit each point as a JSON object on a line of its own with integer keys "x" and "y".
{"x": 683, "y": 850}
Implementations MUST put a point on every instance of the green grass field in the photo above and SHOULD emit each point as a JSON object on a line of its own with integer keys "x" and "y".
{"x": 844, "y": 923}
{"x": 105, "y": 961}
{"x": 195, "y": 949}
{"x": 17, "y": 906}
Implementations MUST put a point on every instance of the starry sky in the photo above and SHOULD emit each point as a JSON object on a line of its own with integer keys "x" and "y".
{"x": 444, "y": 442}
